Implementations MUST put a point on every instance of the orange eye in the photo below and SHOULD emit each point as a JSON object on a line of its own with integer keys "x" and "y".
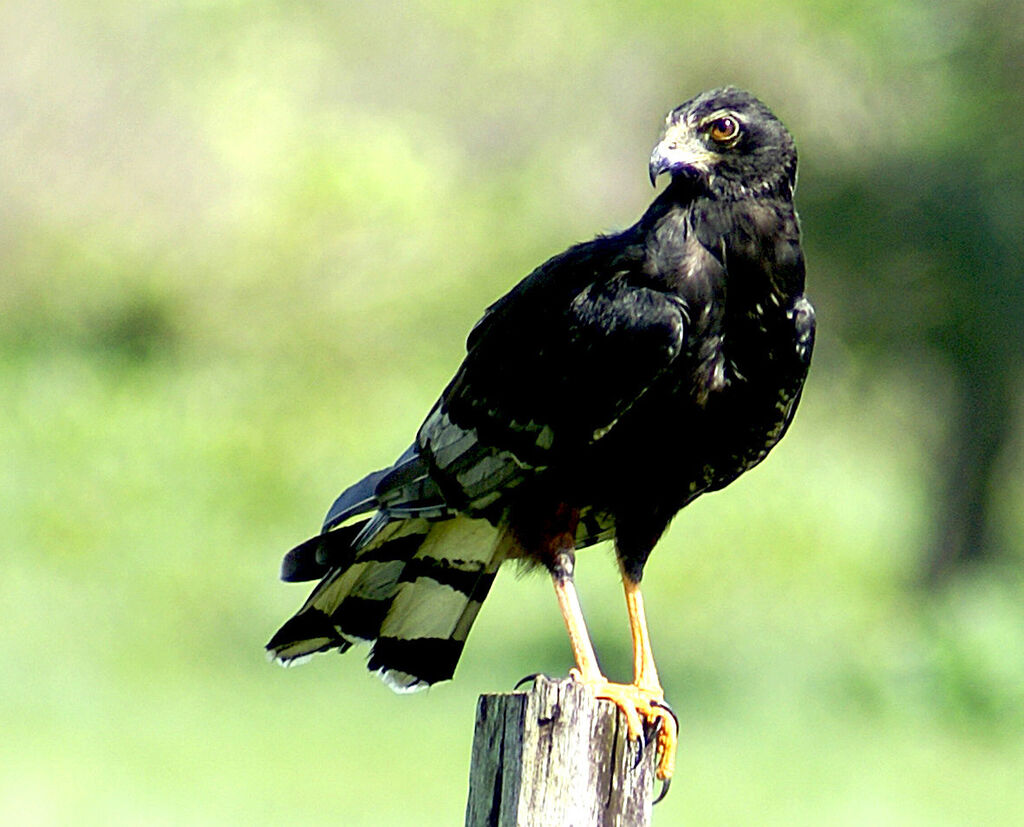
{"x": 723, "y": 130}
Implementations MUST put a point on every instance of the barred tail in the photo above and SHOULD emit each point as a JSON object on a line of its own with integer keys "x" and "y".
{"x": 413, "y": 590}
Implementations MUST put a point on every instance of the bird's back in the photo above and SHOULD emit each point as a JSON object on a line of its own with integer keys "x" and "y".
{"x": 738, "y": 273}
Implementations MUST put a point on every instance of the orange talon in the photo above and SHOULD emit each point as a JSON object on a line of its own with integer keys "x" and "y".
{"x": 668, "y": 743}
{"x": 638, "y": 703}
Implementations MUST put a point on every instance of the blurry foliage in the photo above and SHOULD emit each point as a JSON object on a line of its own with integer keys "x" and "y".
{"x": 240, "y": 247}
{"x": 924, "y": 247}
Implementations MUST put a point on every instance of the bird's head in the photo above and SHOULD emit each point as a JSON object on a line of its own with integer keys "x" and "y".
{"x": 729, "y": 143}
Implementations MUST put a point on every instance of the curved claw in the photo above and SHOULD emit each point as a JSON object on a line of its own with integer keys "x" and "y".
{"x": 643, "y": 706}
{"x": 668, "y": 709}
{"x": 668, "y": 740}
{"x": 641, "y": 746}
{"x": 665, "y": 784}
{"x": 527, "y": 679}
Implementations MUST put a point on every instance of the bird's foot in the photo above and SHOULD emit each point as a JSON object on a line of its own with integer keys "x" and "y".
{"x": 640, "y": 704}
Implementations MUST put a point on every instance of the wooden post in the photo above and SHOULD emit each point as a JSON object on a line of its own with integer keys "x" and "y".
{"x": 556, "y": 756}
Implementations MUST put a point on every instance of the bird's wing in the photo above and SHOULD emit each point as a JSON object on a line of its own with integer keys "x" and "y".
{"x": 549, "y": 371}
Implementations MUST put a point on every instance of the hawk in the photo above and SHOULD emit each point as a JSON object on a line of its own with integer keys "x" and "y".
{"x": 612, "y": 386}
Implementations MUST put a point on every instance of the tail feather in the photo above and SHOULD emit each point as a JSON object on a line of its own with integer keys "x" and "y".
{"x": 315, "y": 558}
{"x": 443, "y": 588}
{"x": 410, "y": 663}
{"x": 313, "y": 628}
{"x": 414, "y": 590}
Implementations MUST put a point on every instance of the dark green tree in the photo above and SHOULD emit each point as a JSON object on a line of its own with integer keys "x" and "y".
{"x": 925, "y": 265}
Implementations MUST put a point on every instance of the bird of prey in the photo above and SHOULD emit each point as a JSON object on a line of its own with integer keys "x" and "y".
{"x": 612, "y": 386}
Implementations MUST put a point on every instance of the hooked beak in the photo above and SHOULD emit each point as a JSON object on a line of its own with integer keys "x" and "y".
{"x": 679, "y": 153}
{"x": 659, "y": 163}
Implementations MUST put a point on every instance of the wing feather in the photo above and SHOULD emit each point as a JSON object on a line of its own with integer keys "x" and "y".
{"x": 551, "y": 369}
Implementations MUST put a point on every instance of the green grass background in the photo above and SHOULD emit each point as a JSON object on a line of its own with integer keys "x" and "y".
{"x": 241, "y": 246}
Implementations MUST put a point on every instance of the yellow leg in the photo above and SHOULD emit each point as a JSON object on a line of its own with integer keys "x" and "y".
{"x": 645, "y": 678}
{"x": 579, "y": 637}
{"x": 637, "y": 700}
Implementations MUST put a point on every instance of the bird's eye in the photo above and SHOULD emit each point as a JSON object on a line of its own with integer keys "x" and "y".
{"x": 724, "y": 130}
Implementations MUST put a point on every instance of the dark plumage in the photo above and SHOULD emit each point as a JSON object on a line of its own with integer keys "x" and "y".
{"x": 613, "y": 385}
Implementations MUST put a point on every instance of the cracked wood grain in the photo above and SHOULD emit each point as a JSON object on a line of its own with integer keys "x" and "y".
{"x": 556, "y": 756}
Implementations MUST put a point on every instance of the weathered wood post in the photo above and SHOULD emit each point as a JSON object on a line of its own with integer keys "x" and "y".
{"x": 556, "y": 756}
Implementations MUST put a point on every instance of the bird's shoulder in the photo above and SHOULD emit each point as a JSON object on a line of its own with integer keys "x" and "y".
{"x": 553, "y": 364}
{"x": 551, "y": 288}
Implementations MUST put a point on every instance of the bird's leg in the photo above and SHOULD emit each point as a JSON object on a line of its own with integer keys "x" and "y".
{"x": 645, "y": 679}
{"x": 587, "y": 670}
{"x": 645, "y": 673}
{"x": 642, "y": 699}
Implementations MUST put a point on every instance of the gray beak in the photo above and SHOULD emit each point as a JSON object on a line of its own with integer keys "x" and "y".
{"x": 679, "y": 152}
{"x": 660, "y": 162}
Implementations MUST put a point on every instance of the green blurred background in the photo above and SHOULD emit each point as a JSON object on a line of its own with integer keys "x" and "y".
{"x": 240, "y": 247}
